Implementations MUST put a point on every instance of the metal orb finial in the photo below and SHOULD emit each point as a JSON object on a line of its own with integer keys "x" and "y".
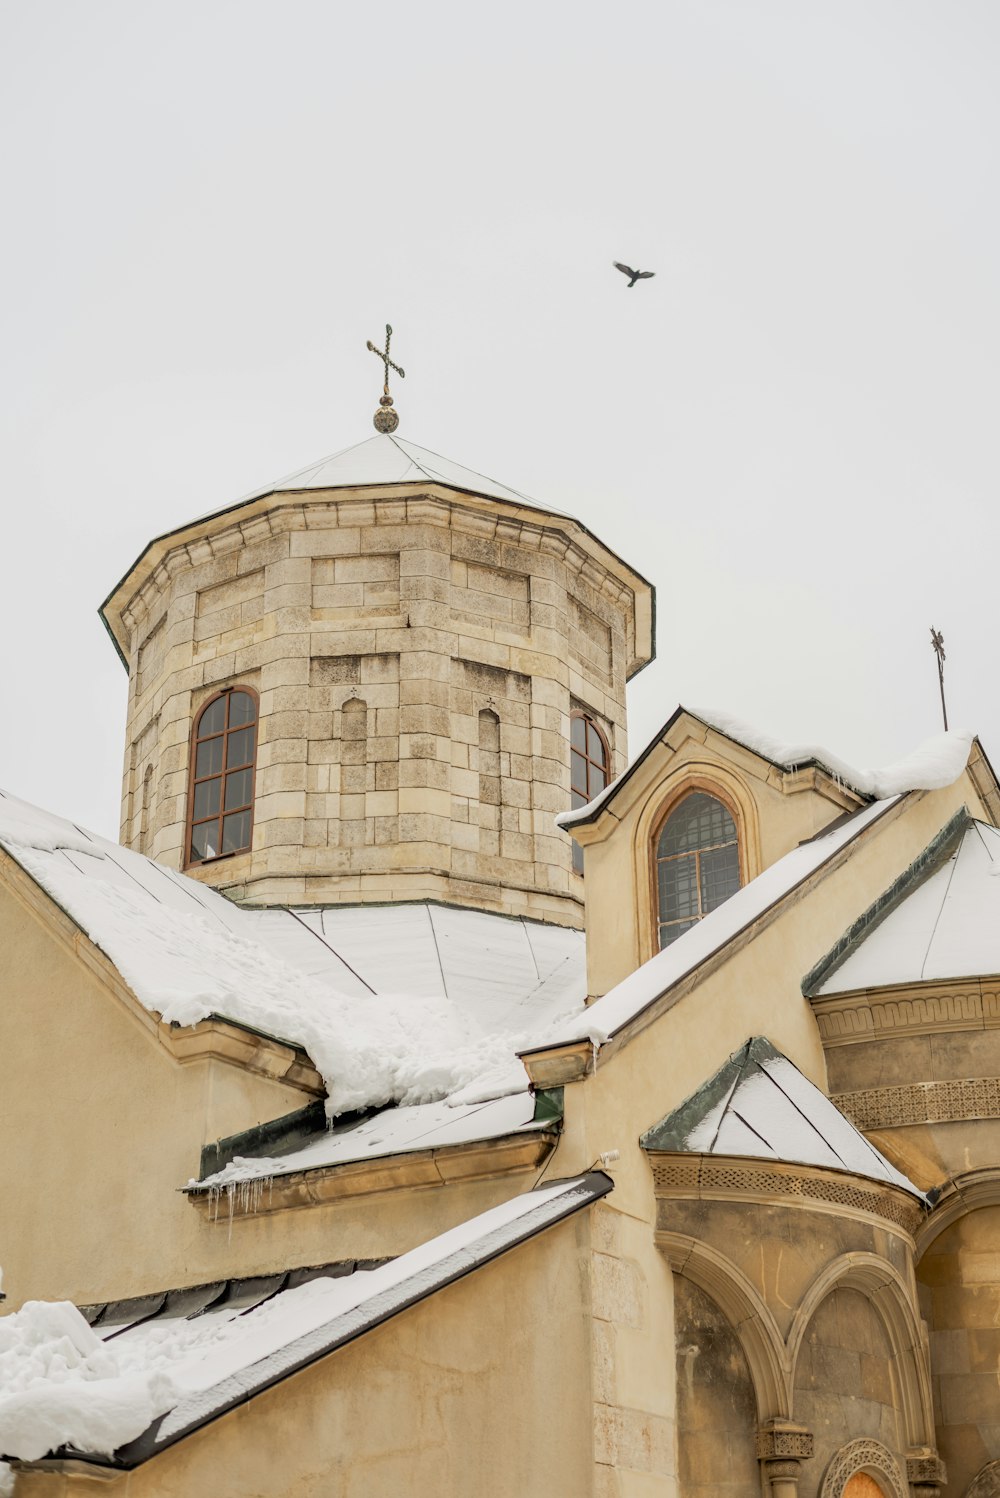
{"x": 386, "y": 419}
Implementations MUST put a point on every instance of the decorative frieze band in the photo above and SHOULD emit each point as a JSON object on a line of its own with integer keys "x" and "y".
{"x": 703, "y": 1177}
{"x": 846, "y": 1021}
{"x": 922, "y": 1102}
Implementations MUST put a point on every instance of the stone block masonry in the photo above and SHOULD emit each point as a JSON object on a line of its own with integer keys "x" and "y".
{"x": 416, "y": 658}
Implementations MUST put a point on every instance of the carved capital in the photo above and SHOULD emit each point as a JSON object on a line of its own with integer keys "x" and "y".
{"x": 781, "y": 1439}
{"x": 786, "y": 1470}
{"x": 925, "y": 1473}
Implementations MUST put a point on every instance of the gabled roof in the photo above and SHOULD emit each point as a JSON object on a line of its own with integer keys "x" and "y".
{"x": 403, "y": 1003}
{"x": 935, "y": 763}
{"x": 226, "y": 1353}
{"x": 759, "y": 1105}
{"x": 943, "y": 921}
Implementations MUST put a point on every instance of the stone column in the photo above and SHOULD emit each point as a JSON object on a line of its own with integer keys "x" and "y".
{"x": 781, "y": 1448}
{"x": 925, "y": 1473}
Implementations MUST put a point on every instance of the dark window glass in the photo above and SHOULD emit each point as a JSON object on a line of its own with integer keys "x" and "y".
{"x": 204, "y": 840}
{"x": 238, "y": 789}
{"x": 222, "y": 790}
{"x": 206, "y": 800}
{"x": 239, "y": 747}
{"x": 208, "y": 760}
{"x": 241, "y": 709}
{"x": 236, "y": 832}
{"x": 697, "y": 864}
{"x": 213, "y": 719}
{"x": 589, "y": 770}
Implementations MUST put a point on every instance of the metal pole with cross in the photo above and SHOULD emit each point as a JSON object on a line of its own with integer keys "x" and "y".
{"x": 937, "y": 645}
{"x": 386, "y": 419}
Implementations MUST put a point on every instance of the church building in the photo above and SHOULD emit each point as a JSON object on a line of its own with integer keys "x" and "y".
{"x": 425, "y": 1098}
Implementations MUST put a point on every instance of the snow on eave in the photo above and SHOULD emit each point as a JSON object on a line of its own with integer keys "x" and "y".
{"x": 933, "y": 764}
{"x": 707, "y": 939}
{"x": 187, "y": 954}
{"x": 394, "y": 1287}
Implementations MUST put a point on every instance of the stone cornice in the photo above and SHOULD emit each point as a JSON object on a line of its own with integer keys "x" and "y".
{"x": 136, "y": 596}
{"x": 908, "y": 1009}
{"x": 213, "y": 1038}
{"x": 475, "y": 1161}
{"x": 780, "y": 1183}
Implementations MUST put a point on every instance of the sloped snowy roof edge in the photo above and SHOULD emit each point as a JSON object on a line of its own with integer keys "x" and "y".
{"x": 932, "y": 765}
{"x": 392, "y": 1293}
{"x": 937, "y": 853}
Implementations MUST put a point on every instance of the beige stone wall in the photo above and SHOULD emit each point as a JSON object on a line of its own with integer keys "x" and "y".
{"x": 959, "y": 1279}
{"x": 716, "y": 1404}
{"x": 774, "y": 811}
{"x": 846, "y": 1384}
{"x": 100, "y": 1126}
{"x": 378, "y": 631}
{"x": 483, "y": 1389}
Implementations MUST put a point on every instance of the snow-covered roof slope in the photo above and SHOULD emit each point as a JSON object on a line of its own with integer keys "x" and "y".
{"x": 937, "y": 762}
{"x": 404, "y": 1004}
{"x": 640, "y": 989}
{"x": 393, "y": 1131}
{"x": 947, "y": 927}
{"x": 759, "y": 1105}
{"x": 62, "y": 1386}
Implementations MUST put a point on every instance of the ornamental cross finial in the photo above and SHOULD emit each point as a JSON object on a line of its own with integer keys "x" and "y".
{"x": 937, "y": 645}
{"x": 386, "y": 419}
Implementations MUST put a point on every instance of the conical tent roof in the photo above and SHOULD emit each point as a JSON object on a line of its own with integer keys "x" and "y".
{"x": 390, "y": 460}
{"x": 759, "y": 1105}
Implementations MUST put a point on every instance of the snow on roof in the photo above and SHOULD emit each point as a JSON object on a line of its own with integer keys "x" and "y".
{"x": 648, "y": 983}
{"x": 405, "y": 1004}
{"x": 61, "y": 1386}
{"x": 393, "y": 1131}
{"x": 760, "y": 1105}
{"x": 935, "y": 763}
{"x": 947, "y": 927}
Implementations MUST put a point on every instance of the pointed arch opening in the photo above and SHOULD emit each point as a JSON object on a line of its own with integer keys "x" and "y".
{"x": 221, "y": 783}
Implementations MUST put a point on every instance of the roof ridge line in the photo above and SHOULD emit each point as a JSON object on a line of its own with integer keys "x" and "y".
{"x": 934, "y": 856}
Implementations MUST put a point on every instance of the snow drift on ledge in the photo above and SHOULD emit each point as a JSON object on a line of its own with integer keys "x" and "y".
{"x": 935, "y": 763}
{"x": 187, "y": 953}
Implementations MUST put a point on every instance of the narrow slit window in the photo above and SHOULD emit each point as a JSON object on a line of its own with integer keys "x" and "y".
{"x": 589, "y": 769}
{"x": 697, "y": 864}
{"x": 222, "y": 777}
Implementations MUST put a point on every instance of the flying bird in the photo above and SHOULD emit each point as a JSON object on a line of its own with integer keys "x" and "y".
{"x": 637, "y": 275}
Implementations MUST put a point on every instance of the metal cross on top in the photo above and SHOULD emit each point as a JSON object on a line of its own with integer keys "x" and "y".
{"x": 386, "y": 419}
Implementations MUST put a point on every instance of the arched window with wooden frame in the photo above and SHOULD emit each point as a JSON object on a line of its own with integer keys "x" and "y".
{"x": 696, "y": 856}
{"x": 589, "y": 767}
{"x": 221, "y": 787}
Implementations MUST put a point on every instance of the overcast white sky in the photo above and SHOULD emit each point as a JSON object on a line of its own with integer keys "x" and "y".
{"x": 209, "y": 207}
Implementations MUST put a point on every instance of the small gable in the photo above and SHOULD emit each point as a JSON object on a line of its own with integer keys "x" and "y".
{"x": 759, "y": 1105}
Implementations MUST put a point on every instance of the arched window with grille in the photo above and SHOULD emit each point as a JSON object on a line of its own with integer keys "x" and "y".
{"x": 223, "y": 757}
{"x": 589, "y": 768}
{"x": 697, "y": 858}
